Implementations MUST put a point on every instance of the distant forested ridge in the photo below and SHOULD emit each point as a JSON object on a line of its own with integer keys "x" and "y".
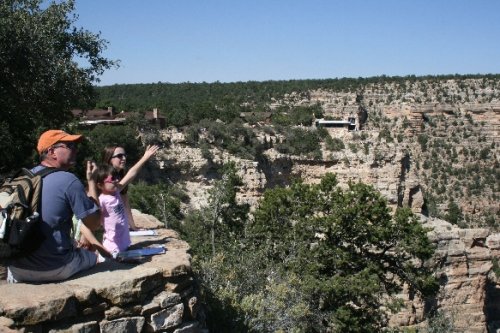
{"x": 187, "y": 103}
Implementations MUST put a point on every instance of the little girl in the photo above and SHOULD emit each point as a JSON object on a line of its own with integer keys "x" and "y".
{"x": 114, "y": 217}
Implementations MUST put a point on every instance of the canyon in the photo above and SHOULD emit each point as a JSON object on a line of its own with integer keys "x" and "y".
{"x": 419, "y": 150}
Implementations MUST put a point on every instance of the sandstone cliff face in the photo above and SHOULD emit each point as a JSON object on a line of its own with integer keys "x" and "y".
{"x": 469, "y": 294}
{"x": 385, "y": 166}
{"x": 421, "y": 140}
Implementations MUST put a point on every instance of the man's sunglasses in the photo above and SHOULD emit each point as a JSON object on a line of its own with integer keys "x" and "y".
{"x": 67, "y": 145}
{"x": 120, "y": 156}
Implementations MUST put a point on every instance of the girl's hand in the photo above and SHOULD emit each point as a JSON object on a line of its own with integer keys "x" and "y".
{"x": 151, "y": 150}
{"x": 84, "y": 243}
{"x": 91, "y": 169}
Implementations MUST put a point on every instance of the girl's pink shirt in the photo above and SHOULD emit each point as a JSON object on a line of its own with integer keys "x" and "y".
{"x": 115, "y": 222}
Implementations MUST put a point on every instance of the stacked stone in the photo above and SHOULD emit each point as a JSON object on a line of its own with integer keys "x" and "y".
{"x": 154, "y": 295}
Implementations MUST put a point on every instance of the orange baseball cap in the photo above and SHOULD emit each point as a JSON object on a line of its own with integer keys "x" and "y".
{"x": 51, "y": 137}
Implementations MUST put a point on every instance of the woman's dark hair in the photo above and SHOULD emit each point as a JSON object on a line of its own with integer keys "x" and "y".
{"x": 107, "y": 155}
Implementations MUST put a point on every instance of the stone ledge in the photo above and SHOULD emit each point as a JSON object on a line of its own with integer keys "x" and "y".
{"x": 157, "y": 294}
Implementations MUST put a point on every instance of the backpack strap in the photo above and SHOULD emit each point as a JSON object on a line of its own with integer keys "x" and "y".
{"x": 44, "y": 172}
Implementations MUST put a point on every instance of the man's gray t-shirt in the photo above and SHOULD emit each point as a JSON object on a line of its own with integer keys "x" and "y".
{"x": 63, "y": 196}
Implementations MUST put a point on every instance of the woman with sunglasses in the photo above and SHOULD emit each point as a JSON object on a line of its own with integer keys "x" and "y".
{"x": 110, "y": 182}
{"x": 116, "y": 157}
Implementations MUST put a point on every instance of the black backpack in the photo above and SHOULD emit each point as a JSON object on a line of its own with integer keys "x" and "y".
{"x": 20, "y": 203}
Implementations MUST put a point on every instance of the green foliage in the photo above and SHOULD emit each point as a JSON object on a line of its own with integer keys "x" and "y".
{"x": 40, "y": 80}
{"x": 100, "y": 137}
{"x": 334, "y": 144}
{"x": 341, "y": 243}
{"x": 270, "y": 309}
{"x": 322, "y": 133}
{"x": 484, "y": 153}
{"x": 441, "y": 322}
{"x": 159, "y": 200}
{"x": 315, "y": 258}
{"x": 304, "y": 115}
{"x": 301, "y": 142}
{"x": 234, "y": 137}
{"x": 105, "y": 135}
{"x": 222, "y": 220}
{"x": 496, "y": 267}
{"x": 385, "y": 133}
{"x": 454, "y": 214}
{"x": 281, "y": 116}
{"x": 353, "y": 147}
{"x": 232, "y": 98}
{"x": 337, "y": 240}
{"x": 422, "y": 140}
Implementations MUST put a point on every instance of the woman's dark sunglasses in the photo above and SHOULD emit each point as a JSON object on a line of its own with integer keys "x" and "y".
{"x": 120, "y": 156}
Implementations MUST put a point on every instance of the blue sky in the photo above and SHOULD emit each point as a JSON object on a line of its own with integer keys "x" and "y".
{"x": 241, "y": 40}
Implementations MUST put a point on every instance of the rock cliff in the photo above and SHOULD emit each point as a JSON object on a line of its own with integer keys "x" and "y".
{"x": 424, "y": 144}
{"x": 469, "y": 293}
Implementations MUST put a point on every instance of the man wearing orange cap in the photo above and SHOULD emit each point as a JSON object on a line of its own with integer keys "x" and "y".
{"x": 63, "y": 195}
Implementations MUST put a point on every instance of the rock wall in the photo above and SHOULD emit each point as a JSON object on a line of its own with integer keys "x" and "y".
{"x": 387, "y": 167}
{"x": 470, "y": 293}
{"x": 156, "y": 294}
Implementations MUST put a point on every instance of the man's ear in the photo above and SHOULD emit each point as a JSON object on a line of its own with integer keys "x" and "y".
{"x": 50, "y": 151}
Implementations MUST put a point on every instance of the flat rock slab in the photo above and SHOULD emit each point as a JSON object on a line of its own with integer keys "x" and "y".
{"x": 29, "y": 304}
{"x": 113, "y": 282}
{"x": 117, "y": 283}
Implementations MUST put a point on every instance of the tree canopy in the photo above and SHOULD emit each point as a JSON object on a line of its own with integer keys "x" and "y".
{"x": 316, "y": 258}
{"x": 48, "y": 66}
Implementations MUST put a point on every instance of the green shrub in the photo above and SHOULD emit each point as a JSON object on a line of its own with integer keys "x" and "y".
{"x": 454, "y": 214}
{"x": 353, "y": 147}
{"x": 422, "y": 140}
{"x": 300, "y": 142}
{"x": 385, "y": 133}
{"x": 159, "y": 200}
{"x": 441, "y": 322}
{"x": 334, "y": 144}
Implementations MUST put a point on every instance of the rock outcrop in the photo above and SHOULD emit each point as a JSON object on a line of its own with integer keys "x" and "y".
{"x": 155, "y": 294}
{"x": 387, "y": 167}
{"x": 469, "y": 293}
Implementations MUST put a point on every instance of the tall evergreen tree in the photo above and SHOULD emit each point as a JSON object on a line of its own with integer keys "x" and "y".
{"x": 347, "y": 249}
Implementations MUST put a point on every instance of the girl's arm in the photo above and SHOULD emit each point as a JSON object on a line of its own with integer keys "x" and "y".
{"x": 92, "y": 190}
{"x": 133, "y": 171}
{"x": 92, "y": 220}
{"x": 128, "y": 211}
{"x": 94, "y": 243}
